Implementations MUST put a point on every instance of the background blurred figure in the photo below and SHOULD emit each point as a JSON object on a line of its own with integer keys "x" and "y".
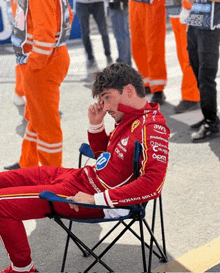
{"x": 203, "y": 36}
{"x": 95, "y": 7}
{"x": 118, "y": 13}
{"x": 189, "y": 90}
{"x": 19, "y": 98}
{"x": 147, "y": 20}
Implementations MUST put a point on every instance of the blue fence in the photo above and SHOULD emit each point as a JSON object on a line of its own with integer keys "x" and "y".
{"x": 6, "y": 29}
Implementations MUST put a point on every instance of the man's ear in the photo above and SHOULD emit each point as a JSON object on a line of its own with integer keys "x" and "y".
{"x": 130, "y": 90}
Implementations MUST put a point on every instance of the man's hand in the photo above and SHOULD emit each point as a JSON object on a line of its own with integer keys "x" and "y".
{"x": 96, "y": 113}
{"x": 81, "y": 197}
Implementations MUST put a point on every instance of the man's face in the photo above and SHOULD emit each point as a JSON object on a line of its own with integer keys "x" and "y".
{"x": 111, "y": 98}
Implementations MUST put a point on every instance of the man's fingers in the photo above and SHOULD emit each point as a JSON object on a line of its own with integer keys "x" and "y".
{"x": 75, "y": 207}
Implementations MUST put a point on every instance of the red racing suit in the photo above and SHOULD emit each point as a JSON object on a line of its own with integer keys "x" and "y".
{"x": 111, "y": 181}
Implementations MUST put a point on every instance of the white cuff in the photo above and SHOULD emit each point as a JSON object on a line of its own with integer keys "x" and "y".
{"x": 96, "y": 128}
{"x": 99, "y": 199}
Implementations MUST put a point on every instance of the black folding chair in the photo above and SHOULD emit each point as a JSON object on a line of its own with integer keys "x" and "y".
{"x": 136, "y": 214}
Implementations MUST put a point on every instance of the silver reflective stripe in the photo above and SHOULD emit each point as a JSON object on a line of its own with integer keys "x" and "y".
{"x": 30, "y": 139}
{"x": 44, "y": 44}
{"x": 30, "y": 133}
{"x": 30, "y": 36}
{"x": 49, "y": 145}
{"x": 49, "y": 151}
{"x": 29, "y": 42}
{"x": 158, "y": 82}
{"x": 41, "y": 51}
{"x": 146, "y": 80}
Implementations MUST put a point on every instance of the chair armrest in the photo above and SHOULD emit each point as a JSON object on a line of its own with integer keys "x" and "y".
{"x": 52, "y": 197}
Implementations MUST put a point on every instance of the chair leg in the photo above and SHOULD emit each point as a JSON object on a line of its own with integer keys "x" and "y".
{"x": 151, "y": 237}
{"x": 162, "y": 230}
{"x": 142, "y": 245}
{"x": 66, "y": 248}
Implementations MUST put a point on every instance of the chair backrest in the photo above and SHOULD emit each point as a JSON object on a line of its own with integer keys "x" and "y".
{"x": 85, "y": 150}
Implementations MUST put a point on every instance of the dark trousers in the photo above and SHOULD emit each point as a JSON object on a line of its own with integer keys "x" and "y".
{"x": 203, "y": 48}
{"x": 97, "y": 10}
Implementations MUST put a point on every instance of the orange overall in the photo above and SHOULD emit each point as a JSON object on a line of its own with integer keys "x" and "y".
{"x": 189, "y": 87}
{"x": 18, "y": 83}
{"x": 42, "y": 75}
{"x": 148, "y": 30}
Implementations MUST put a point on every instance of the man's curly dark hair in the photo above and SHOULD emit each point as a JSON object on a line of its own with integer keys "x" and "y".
{"x": 117, "y": 76}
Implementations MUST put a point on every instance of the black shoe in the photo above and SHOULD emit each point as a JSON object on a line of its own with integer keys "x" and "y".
{"x": 109, "y": 60}
{"x": 158, "y": 97}
{"x": 12, "y": 167}
{"x": 197, "y": 125}
{"x": 147, "y": 90}
{"x": 207, "y": 131}
{"x": 185, "y": 106}
{"x": 91, "y": 63}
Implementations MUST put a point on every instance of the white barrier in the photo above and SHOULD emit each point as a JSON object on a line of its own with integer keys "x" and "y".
{"x": 5, "y": 26}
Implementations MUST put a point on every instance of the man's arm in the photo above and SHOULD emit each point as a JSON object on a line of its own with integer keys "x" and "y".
{"x": 81, "y": 197}
{"x": 97, "y": 136}
{"x": 154, "y": 161}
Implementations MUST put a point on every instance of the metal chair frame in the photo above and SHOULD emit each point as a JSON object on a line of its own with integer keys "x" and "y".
{"x": 137, "y": 214}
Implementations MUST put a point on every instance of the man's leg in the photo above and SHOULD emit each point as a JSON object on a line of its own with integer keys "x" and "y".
{"x": 43, "y": 97}
{"x": 116, "y": 16}
{"x": 127, "y": 40}
{"x": 19, "y": 201}
{"x": 83, "y": 12}
{"x": 99, "y": 16}
{"x": 208, "y": 51}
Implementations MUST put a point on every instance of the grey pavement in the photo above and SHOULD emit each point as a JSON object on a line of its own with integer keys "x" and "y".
{"x": 191, "y": 192}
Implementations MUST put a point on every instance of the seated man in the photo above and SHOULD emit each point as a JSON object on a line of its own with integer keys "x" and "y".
{"x": 120, "y": 92}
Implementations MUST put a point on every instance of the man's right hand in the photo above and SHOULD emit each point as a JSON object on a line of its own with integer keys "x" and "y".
{"x": 96, "y": 113}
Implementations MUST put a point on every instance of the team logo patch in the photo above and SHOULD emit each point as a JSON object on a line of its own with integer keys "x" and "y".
{"x": 135, "y": 125}
{"x": 102, "y": 160}
{"x": 125, "y": 141}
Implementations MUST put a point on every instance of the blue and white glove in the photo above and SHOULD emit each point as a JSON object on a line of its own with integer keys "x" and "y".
{"x": 22, "y": 59}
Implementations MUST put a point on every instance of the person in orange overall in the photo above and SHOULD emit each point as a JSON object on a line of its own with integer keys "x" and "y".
{"x": 39, "y": 34}
{"x": 189, "y": 90}
{"x": 19, "y": 98}
{"x": 148, "y": 29}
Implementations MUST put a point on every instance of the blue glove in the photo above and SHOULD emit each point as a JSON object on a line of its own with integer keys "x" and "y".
{"x": 21, "y": 59}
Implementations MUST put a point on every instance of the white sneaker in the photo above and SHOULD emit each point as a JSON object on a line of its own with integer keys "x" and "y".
{"x": 19, "y": 101}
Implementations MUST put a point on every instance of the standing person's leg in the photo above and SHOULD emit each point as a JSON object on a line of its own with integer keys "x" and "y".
{"x": 98, "y": 13}
{"x": 155, "y": 36}
{"x": 189, "y": 90}
{"x": 138, "y": 21}
{"x": 208, "y": 51}
{"x": 43, "y": 98}
{"x": 116, "y": 16}
{"x": 83, "y": 12}
{"x": 205, "y": 67}
{"x": 19, "y": 99}
{"x": 127, "y": 40}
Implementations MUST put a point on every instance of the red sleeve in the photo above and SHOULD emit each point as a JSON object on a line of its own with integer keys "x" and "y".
{"x": 98, "y": 142}
{"x": 154, "y": 161}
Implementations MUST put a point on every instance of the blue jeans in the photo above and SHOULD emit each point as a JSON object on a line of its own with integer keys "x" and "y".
{"x": 97, "y": 10}
{"x": 120, "y": 27}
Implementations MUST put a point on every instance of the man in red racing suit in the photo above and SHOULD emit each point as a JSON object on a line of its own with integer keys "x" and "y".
{"x": 120, "y": 92}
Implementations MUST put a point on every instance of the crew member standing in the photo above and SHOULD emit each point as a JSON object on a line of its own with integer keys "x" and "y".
{"x": 177, "y": 10}
{"x": 148, "y": 30}
{"x": 39, "y": 34}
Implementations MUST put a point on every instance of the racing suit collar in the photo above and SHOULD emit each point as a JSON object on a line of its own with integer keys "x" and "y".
{"x": 130, "y": 110}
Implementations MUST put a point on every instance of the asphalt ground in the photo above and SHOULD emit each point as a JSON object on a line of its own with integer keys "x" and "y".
{"x": 191, "y": 192}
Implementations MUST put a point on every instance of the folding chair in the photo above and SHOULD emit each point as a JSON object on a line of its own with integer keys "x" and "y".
{"x": 136, "y": 214}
